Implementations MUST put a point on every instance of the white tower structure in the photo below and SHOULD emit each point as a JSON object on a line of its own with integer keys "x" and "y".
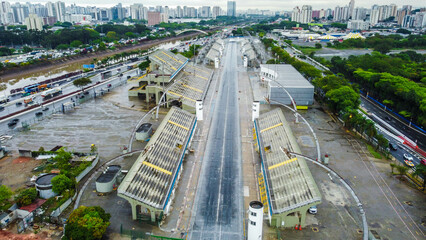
{"x": 255, "y": 221}
{"x": 199, "y": 110}
{"x": 255, "y": 111}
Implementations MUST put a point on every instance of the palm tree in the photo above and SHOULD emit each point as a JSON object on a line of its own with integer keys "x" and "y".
{"x": 421, "y": 171}
{"x": 402, "y": 170}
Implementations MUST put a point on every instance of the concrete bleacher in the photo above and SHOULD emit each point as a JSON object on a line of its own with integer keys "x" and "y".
{"x": 150, "y": 182}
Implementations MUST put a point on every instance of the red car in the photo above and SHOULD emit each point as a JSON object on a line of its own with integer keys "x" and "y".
{"x": 423, "y": 161}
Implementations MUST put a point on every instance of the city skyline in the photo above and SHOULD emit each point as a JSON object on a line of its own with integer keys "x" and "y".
{"x": 274, "y": 5}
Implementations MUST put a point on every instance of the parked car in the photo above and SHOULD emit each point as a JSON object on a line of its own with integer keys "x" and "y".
{"x": 313, "y": 210}
{"x": 38, "y": 114}
{"x": 1, "y": 108}
{"x": 392, "y": 146}
{"x": 423, "y": 161}
{"x": 407, "y": 157}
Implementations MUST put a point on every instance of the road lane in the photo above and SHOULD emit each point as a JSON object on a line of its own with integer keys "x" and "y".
{"x": 219, "y": 201}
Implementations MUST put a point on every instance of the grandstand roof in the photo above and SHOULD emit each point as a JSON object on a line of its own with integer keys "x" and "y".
{"x": 170, "y": 62}
{"x": 289, "y": 182}
{"x": 152, "y": 177}
{"x": 191, "y": 87}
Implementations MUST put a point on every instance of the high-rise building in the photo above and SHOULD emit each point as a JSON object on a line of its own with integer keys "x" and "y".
{"x": 232, "y": 9}
{"x": 306, "y": 14}
{"x": 374, "y": 15}
{"x": 295, "y": 14}
{"x": 205, "y": 12}
{"x": 137, "y": 12}
{"x": 34, "y": 22}
{"x": 6, "y": 15}
{"x": 359, "y": 13}
{"x": 420, "y": 20}
{"x": 216, "y": 11}
{"x": 406, "y": 10}
{"x": 117, "y": 12}
{"x": 154, "y": 18}
{"x": 20, "y": 12}
{"x": 351, "y": 7}
{"x": 60, "y": 11}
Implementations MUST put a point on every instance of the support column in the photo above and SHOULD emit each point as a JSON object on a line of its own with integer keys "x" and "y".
{"x": 134, "y": 215}
{"x": 152, "y": 216}
{"x": 303, "y": 218}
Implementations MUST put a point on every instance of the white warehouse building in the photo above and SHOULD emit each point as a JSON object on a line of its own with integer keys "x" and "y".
{"x": 285, "y": 75}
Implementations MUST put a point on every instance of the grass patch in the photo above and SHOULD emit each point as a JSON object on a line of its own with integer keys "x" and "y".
{"x": 373, "y": 152}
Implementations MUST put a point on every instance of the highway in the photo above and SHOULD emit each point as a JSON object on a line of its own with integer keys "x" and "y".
{"x": 218, "y": 212}
{"x": 411, "y": 133}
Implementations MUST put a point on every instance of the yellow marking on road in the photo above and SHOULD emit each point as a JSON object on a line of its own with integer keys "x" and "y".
{"x": 266, "y": 129}
{"x": 195, "y": 89}
{"x": 157, "y": 168}
{"x": 177, "y": 124}
{"x": 179, "y": 95}
{"x": 282, "y": 163}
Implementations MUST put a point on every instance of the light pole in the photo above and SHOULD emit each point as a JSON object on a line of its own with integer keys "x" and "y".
{"x": 309, "y": 126}
{"x": 291, "y": 98}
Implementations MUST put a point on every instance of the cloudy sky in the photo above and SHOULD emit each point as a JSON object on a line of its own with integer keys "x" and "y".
{"x": 243, "y": 4}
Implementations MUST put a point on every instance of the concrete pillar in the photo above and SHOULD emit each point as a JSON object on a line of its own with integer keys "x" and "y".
{"x": 134, "y": 215}
{"x": 303, "y": 218}
{"x": 152, "y": 216}
{"x": 245, "y": 61}
{"x": 216, "y": 63}
{"x": 255, "y": 221}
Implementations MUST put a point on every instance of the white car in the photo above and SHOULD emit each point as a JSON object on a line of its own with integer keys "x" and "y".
{"x": 408, "y": 157}
{"x": 313, "y": 210}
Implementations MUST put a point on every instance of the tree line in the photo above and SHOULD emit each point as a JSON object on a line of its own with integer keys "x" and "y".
{"x": 396, "y": 80}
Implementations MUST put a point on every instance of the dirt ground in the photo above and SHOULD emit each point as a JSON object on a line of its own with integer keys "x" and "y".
{"x": 10, "y": 166}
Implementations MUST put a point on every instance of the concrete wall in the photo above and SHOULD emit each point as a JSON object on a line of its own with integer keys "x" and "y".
{"x": 61, "y": 208}
{"x": 87, "y": 170}
{"x": 302, "y": 96}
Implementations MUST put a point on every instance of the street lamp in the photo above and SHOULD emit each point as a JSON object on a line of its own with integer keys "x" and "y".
{"x": 291, "y": 98}
{"x": 309, "y": 126}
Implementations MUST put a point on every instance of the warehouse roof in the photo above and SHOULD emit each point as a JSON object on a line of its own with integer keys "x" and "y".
{"x": 289, "y": 182}
{"x": 152, "y": 177}
{"x": 191, "y": 87}
{"x": 217, "y": 46}
{"x": 286, "y": 75}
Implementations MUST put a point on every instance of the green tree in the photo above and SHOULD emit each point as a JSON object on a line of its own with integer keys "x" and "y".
{"x": 342, "y": 98}
{"x": 76, "y": 43}
{"x": 383, "y": 48}
{"x": 5, "y": 194}
{"x": 81, "y": 82}
{"x": 402, "y": 170}
{"x": 144, "y": 65}
{"x": 112, "y": 35}
{"x": 421, "y": 171}
{"x": 27, "y": 49}
{"x": 87, "y": 223}
{"x": 60, "y": 183}
{"x": 318, "y": 45}
{"x": 102, "y": 46}
{"x": 26, "y": 197}
{"x": 130, "y": 35}
{"x": 62, "y": 47}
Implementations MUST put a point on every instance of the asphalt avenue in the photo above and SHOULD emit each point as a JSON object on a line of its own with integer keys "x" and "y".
{"x": 219, "y": 201}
